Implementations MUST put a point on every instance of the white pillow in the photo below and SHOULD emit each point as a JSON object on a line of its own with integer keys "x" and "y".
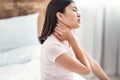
{"x": 18, "y": 31}
{"x": 20, "y": 55}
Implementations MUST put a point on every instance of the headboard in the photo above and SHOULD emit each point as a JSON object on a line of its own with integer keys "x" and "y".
{"x": 12, "y": 8}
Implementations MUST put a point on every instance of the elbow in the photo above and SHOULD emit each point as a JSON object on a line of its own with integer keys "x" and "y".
{"x": 87, "y": 71}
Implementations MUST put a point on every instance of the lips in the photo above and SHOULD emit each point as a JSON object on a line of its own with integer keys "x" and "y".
{"x": 79, "y": 20}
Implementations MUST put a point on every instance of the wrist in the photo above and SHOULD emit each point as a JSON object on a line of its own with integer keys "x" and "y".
{"x": 71, "y": 38}
{"x": 106, "y": 78}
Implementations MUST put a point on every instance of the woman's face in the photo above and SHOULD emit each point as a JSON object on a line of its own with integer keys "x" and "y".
{"x": 71, "y": 17}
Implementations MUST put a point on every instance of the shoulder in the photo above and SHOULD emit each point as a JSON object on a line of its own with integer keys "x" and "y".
{"x": 52, "y": 40}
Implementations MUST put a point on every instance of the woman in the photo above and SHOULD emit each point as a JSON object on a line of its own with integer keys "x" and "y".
{"x": 61, "y": 55}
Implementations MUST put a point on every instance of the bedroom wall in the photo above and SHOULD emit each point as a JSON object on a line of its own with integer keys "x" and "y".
{"x": 12, "y": 8}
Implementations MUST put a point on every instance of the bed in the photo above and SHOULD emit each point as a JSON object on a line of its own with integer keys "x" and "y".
{"x": 20, "y": 25}
{"x": 19, "y": 48}
{"x": 19, "y": 45}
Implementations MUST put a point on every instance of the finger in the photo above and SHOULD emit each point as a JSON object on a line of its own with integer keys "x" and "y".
{"x": 59, "y": 31}
{"x": 64, "y": 26}
{"x": 61, "y": 26}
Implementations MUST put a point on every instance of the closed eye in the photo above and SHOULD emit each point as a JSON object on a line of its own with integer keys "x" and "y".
{"x": 75, "y": 9}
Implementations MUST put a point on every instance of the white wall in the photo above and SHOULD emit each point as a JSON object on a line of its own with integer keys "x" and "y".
{"x": 99, "y": 32}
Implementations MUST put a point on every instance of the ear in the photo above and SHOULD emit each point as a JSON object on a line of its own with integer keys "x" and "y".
{"x": 59, "y": 16}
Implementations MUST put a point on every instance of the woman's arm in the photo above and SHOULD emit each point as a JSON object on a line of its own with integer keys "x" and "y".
{"x": 72, "y": 64}
{"x": 81, "y": 62}
{"x": 96, "y": 69}
{"x": 78, "y": 52}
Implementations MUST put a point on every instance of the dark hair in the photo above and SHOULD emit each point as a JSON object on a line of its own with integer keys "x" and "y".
{"x": 50, "y": 19}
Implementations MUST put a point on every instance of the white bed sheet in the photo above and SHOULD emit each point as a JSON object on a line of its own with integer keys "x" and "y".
{"x": 26, "y": 71}
{"x": 29, "y": 70}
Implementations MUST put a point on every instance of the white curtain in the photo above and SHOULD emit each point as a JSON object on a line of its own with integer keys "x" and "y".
{"x": 99, "y": 32}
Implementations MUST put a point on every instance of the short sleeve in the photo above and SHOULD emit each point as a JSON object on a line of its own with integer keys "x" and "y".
{"x": 54, "y": 51}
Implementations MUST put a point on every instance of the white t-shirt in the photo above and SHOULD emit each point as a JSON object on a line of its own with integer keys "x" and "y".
{"x": 51, "y": 49}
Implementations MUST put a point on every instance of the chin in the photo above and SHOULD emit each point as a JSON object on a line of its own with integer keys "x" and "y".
{"x": 78, "y": 26}
{"x": 75, "y": 26}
